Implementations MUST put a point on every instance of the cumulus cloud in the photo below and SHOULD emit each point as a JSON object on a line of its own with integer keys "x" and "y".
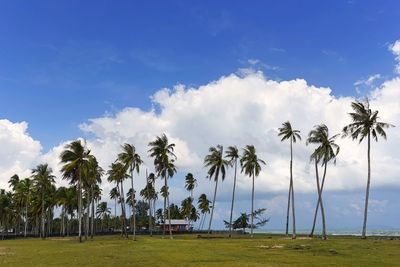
{"x": 18, "y": 152}
{"x": 395, "y": 49}
{"x": 240, "y": 110}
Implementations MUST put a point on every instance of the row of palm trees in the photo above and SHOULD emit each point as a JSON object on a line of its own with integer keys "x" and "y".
{"x": 81, "y": 169}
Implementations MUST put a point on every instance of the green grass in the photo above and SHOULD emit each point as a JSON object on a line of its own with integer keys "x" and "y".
{"x": 188, "y": 250}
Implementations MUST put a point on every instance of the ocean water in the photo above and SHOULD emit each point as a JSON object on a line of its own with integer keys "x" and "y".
{"x": 353, "y": 232}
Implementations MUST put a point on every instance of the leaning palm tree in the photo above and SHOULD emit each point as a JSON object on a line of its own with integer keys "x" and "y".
{"x": 326, "y": 151}
{"x": 132, "y": 162}
{"x": 287, "y": 132}
{"x": 216, "y": 164}
{"x": 251, "y": 166}
{"x": 163, "y": 153}
{"x": 43, "y": 179}
{"x": 232, "y": 154}
{"x": 364, "y": 124}
{"x": 75, "y": 159}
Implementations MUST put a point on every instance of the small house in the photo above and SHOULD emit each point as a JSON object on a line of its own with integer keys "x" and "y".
{"x": 176, "y": 225}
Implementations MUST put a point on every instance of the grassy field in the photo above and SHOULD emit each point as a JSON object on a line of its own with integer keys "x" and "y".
{"x": 188, "y": 250}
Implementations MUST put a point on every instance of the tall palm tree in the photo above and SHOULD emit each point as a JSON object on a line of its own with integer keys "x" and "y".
{"x": 326, "y": 151}
{"x": 152, "y": 179}
{"x": 114, "y": 194}
{"x": 164, "y": 194}
{"x": 75, "y": 159}
{"x": 232, "y": 154}
{"x": 132, "y": 162}
{"x": 23, "y": 192}
{"x": 287, "y": 132}
{"x": 117, "y": 173}
{"x": 216, "y": 164}
{"x": 163, "y": 153}
{"x": 190, "y": 184}
{"x": 251, "y": 166}
{"x": 204, "y": 206}
{"x": 364, "y": 125}
{"x": 43, "y": 180}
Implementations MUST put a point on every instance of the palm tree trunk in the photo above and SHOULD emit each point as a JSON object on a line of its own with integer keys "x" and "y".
{"x": 318, "y": 203}
{"x": 115, "y": 214}
{"x": 93, "y": 218}
{"x": 154, "y": 208}
{"x": 79, "y": 209}
{"x": 26, "y": 218}
{"x": 124, "y": 232}
{"x": 320, "y": 200}
{"x": 149, "y": 200}
{"x": 233, "y": 200}
{"x": 87, "y": 217}
{"x": 291, "y": 182}
{"x": 364, "y": 231}
{"x": 252, "y": 207}
{"x": 165, "y": 208}
{"x": 42, "y": 231}
{"x": 213, "y": 206}
{"x": 288, "y": 208}
{"x": 133, "y": 206}
{"x": 169, "y": 211}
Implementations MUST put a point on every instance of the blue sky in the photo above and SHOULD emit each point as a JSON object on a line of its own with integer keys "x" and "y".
{"x": 62, "y": 62}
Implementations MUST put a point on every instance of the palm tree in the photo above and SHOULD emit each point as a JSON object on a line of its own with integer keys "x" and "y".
{"x": 287, "y": 132}
{"x": 61, "y": 196}
{"x": 75, "y": 159}
{"x": 164, "y": 193}
{"x": 114, "y": 194}
{"x": 204, "y": 206}
{"x": 216, "y": 164}
{"x": 23, "y": 191}
{"x": 102, "y": 212}
{"x": 152, "y": 179}
{"x": 132, "y": 161}
{"x": 251, "y": 166}
{"x": 163, "y": 153}
{"x": 324, "y": 153}
{"x": 364, "y": 124}
{"x": 190, "y": 184}
{"x": 117, "y": 174}
{"x": 232, "y": 154}
{"x": 147, "y": 193}
{"x": 43, "y": 180}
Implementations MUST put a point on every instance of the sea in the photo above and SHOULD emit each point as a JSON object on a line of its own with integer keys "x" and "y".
{"x": 339, "y": 232}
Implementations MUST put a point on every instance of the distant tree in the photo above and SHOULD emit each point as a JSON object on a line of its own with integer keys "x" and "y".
{"x": 243, "y": 221}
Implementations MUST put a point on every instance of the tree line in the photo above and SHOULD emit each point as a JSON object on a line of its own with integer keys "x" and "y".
{"x": 30, "y": 203}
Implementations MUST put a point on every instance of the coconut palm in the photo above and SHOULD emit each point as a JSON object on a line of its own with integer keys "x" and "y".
{"x": 132, "y": 162}
{"x": 147, "y": 193}
{"x": 75, "y": 159}
{"x": 102, "y": 212}
{"x": 232, "y": 154}
{"x": 190, "y": 184}
{"x": 117, "y": 173}
{"x": 251, "y": 166}
{"x": 43, "y": 179}
{"x": 365, "y": 123}
{"x": 23, "y": 192}
{"x": 164, "y": 194}
{"x": 288, "y": 133}
{"x": 204, "y": 206}
{"x": 326, "y": 151}
{"x": 163, "y": 153}
{"x": 216, "y": 164}
{"x": 114, "y": 194}
{"x": 152, "y": 179}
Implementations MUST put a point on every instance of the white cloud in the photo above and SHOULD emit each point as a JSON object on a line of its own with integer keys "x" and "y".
{"x": 395, "y": 49}
{"x": 248, "y": 110}
{"x": 18, "y": 152}
{"x": 369, "y": 81}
